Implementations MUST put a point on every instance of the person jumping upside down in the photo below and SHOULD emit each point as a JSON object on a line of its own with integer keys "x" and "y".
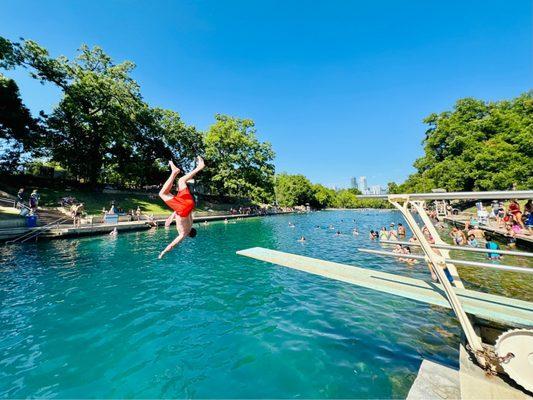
{"x": 182, "y": 203}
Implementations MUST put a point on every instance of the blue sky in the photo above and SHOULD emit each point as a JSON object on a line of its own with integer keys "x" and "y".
{"x": 339, "y": 88}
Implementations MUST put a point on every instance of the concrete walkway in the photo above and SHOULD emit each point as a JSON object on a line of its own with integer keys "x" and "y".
{"x": 69, "y": 231}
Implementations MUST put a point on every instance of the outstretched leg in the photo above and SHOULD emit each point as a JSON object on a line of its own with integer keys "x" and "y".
{"x": 164, "y": 193}
{"x": 182, "y": 182}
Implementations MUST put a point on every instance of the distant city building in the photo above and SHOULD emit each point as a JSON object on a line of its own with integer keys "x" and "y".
{"x": 353, "y": 183}
{"x": 376, "y": 189}
{"x": 363, "y": 186}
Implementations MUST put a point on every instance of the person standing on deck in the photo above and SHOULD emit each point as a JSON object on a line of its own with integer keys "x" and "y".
{"x": 182, "y": 203}
{"x": 34, "y": 201}
{"x": 20, "y": 198}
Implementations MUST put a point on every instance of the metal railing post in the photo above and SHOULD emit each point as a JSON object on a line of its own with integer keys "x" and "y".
{"x": 419, "y": 207}
{"x": 437, "y": 263}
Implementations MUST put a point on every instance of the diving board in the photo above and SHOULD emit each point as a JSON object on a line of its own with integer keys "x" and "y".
{"x": 484, "y": 305}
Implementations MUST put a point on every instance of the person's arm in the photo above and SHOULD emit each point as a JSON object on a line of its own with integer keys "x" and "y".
{"x": 171, "y": 245}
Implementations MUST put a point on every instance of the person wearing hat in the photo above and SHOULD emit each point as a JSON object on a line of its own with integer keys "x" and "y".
{"x": 34, "y": 200}
{"x": 393, "y": 234}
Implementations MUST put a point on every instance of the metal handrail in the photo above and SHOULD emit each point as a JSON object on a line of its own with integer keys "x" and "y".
{"x": 462, "y": 248}
{"x": 36, "y": 232}
{"x": 494, "y": 195}
{"x": 509, "y": 268}
{"x": 15, "y": 202}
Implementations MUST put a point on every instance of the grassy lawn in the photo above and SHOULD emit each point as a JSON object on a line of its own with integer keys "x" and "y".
{"x": 94, "y": 201}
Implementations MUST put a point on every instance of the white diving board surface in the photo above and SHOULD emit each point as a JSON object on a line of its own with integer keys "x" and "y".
{"x": 491, "y": 307}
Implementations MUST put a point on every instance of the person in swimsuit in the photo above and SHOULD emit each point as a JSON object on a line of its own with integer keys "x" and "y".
{"x": 401, "y": 230}
{"x": 182, "y": 203}
{"x": 458, "y": 236}
{"x": 393, "y": 235}
{"x": 510, "y": 235}
{"x": 514, "y": 209}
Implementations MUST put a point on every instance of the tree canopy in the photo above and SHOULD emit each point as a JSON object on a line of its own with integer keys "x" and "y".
{"x": 297, "y": 190}
{"x": 238, "y": 164}
{"x": 477, "y": 146}
{"x": 102, "y": 130}
{"x": 19, "y": 131}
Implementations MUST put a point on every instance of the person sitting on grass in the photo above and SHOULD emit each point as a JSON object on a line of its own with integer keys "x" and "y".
{"x": 182, "y": 203}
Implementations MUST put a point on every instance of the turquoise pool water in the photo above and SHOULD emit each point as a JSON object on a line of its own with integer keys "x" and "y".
{"x": 102, "y": 317}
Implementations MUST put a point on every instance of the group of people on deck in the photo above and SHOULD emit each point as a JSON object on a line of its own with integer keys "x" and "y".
{"x": 33, "y": 201}
{"x": 514, "y": 216}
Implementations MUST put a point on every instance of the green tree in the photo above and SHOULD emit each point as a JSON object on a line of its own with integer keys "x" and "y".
{"x": 322, "y": 196}
{"x": 237, "y": 163}
{"x": 346, "y": 199}
{"x": 477, "y": 146}
{"x": 156, "y": 136}
{"x": 19, "y": 131}
{"x": 96, "y": 112}
{"x": 293, "y": 190}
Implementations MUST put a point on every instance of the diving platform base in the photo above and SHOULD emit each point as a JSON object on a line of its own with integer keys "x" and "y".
{"x": 438, "y": 382}
{"x": 477, "y": 385}
{"x": 513, "y": 312}
{"x": 435, "y": 381}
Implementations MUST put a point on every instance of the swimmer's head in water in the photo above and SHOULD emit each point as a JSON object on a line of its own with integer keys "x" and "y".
{"x": 192, "y": 233}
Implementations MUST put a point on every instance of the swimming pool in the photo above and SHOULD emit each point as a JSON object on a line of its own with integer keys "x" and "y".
{"x": 102, "y": 317}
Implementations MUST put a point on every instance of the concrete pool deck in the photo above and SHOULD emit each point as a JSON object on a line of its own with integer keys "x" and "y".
{"x": 65, "y": 231}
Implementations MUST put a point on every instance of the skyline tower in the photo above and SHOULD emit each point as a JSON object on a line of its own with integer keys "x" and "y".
{"x": 363, "y": 186}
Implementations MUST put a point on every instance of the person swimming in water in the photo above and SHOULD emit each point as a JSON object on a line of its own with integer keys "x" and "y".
{"x": 182, "y": 203}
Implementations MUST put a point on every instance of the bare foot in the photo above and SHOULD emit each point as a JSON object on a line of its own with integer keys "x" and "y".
{"x": 200, "y": 162}
{"x": 173, "y": 167}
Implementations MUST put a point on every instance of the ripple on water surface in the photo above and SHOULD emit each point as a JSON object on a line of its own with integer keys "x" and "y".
{"x": 102, "y": 317}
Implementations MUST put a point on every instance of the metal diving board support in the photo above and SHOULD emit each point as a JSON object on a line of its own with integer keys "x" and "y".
{"x": 437, "y": 263}
{"x": 439, "y": 260}
{"x": 515, "y": 312}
